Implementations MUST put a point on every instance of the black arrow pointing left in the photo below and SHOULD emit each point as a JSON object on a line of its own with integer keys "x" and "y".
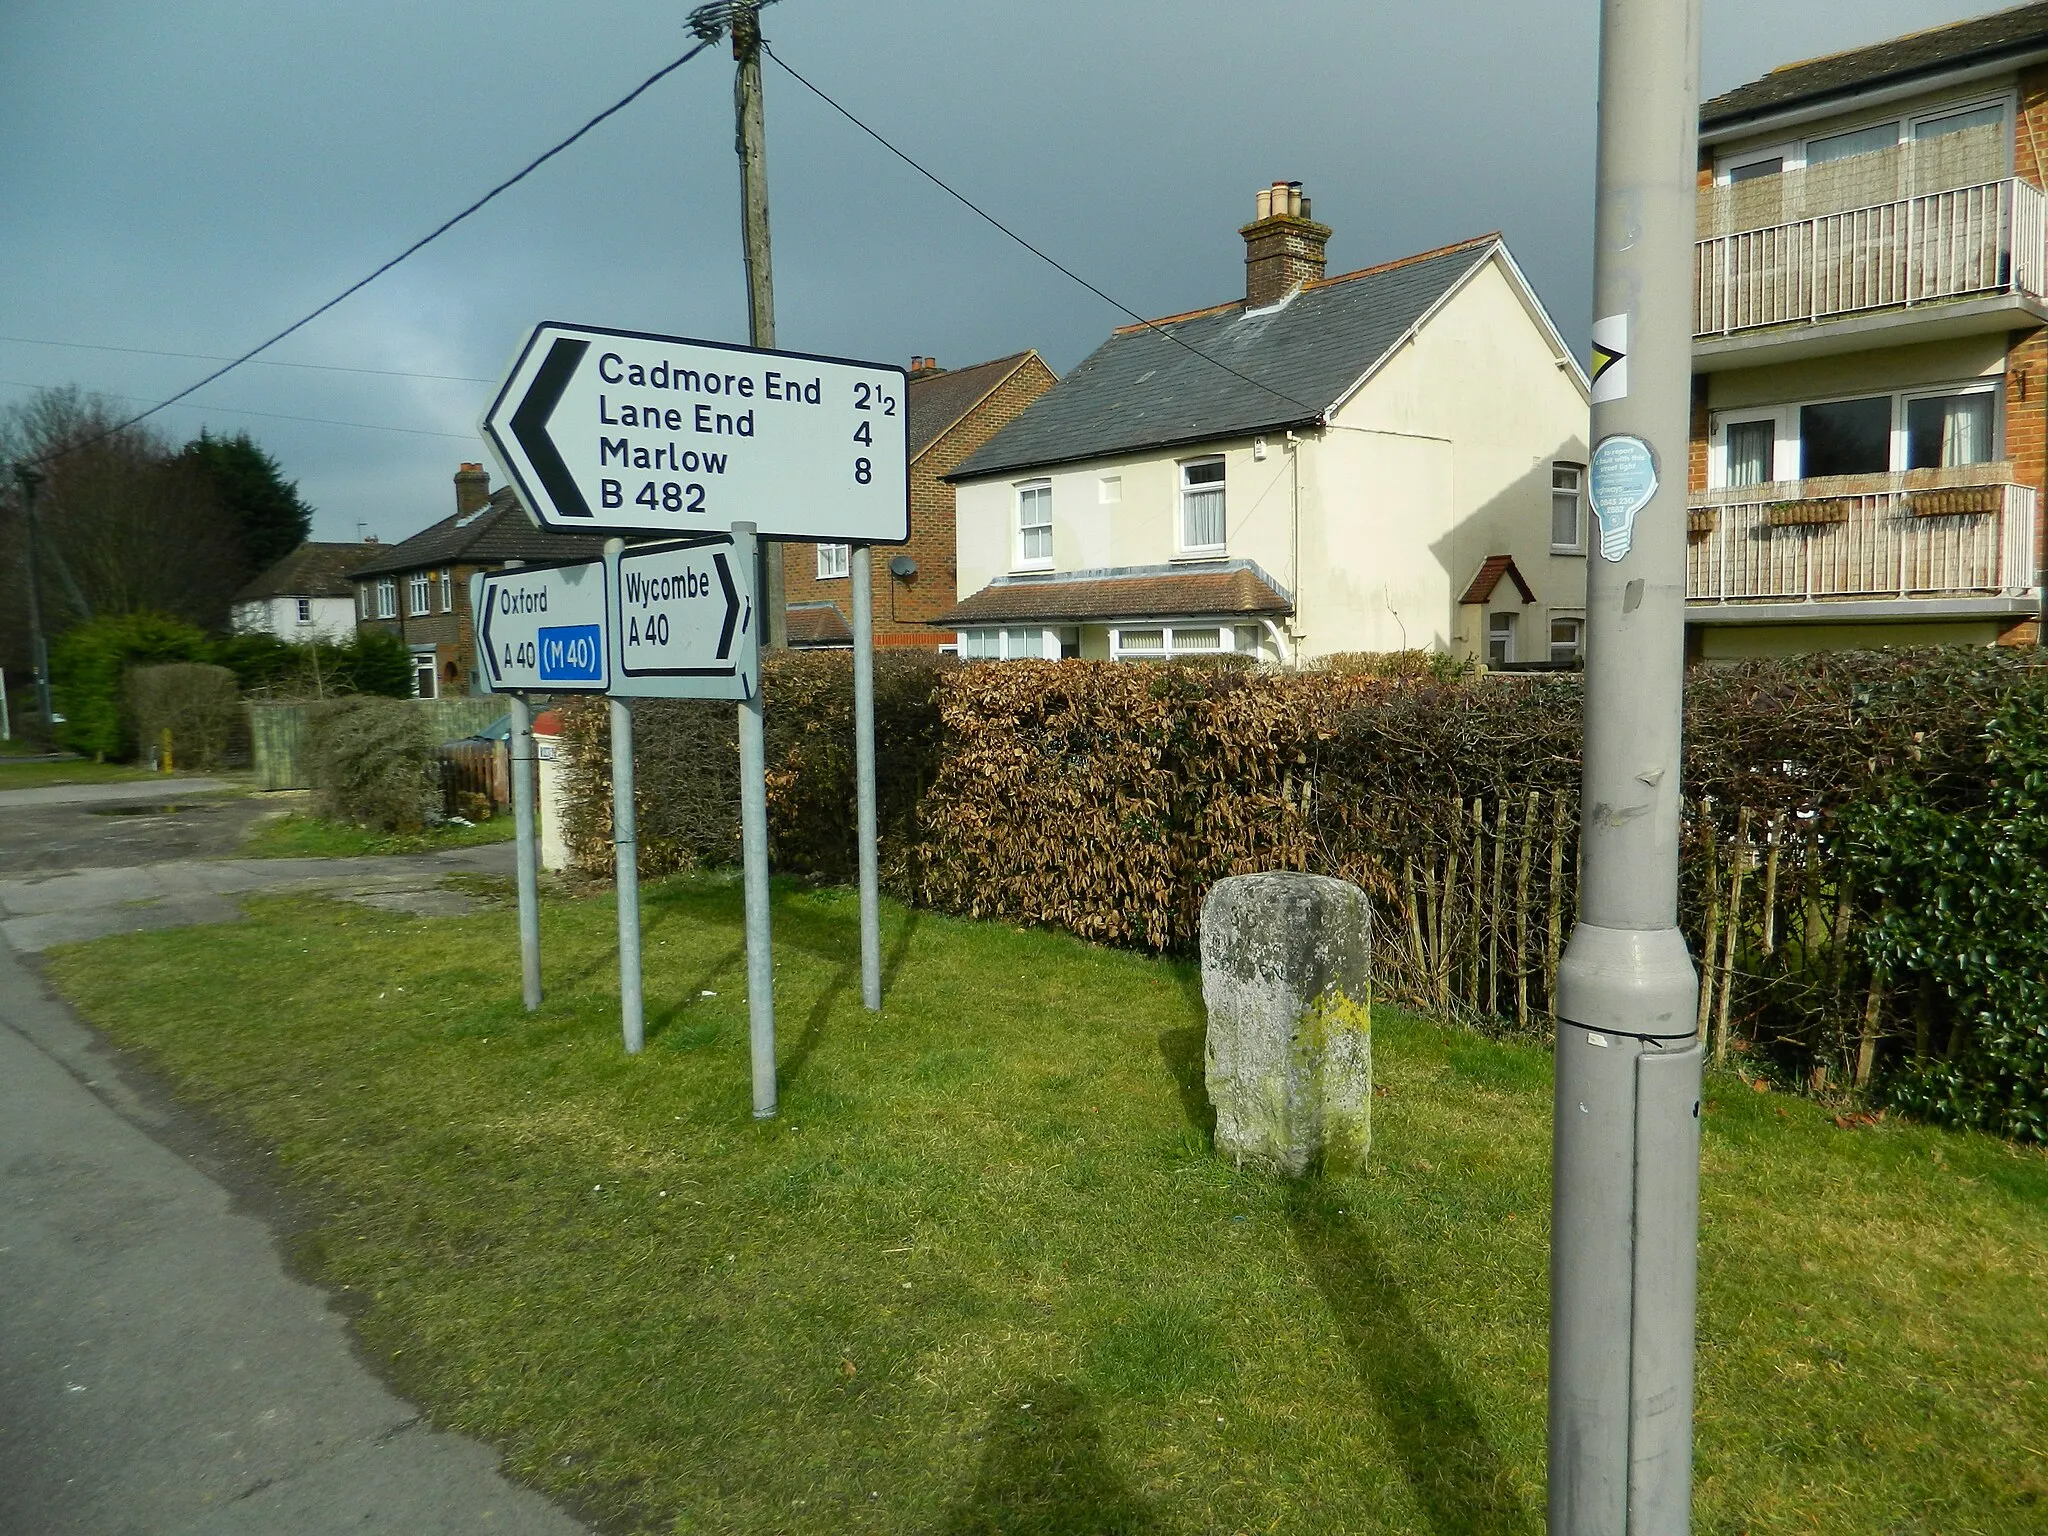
{"x": 530, "y": 426}
{"x": 490, "y": 651}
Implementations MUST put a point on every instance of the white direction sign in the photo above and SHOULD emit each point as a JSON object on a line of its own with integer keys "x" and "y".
{"x": 683, "y": 621}
{"x": 631, "y": 433}
{"x": 542, "y": 629}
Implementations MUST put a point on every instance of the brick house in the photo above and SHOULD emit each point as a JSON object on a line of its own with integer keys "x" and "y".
{"x": 419, "y": 589}
{"x": 952, "y": 413}
{"x": 1374, "y": 461}
{"x": 1870, "y": 364}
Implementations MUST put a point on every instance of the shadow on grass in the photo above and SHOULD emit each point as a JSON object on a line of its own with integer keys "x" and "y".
{"x": 658, "y": 1022}
{"x": 1185, "y": 1052}
{"x": 1455, "y": 1472}
{"x": 1044, "y": 1473}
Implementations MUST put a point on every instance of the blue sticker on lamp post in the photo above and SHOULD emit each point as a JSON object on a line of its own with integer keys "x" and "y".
{"x": 1623, "y": 479}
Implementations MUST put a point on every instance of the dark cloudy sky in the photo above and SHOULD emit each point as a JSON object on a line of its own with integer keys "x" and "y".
{"x": 190, "y": 177}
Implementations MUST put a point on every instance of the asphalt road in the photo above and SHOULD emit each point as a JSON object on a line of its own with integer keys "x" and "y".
{"x": 161, "y": 1372}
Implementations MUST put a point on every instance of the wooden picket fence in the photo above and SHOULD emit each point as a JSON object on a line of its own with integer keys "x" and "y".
{"x": 1488, "y": 891}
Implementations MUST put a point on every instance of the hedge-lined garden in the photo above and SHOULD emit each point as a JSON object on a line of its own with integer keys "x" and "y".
{"x": 1862, "y": 880}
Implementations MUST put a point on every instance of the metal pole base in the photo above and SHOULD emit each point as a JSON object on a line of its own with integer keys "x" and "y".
{"x": 1624, "y": 1218}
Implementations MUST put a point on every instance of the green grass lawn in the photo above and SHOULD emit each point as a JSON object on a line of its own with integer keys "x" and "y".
{"x": 984, "y": 1273}
{"x": 314, "y": 837}
{"x": 73, "y": 770}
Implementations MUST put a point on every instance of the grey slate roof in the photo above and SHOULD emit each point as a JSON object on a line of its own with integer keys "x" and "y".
{"x": 1980, "y": 39}
{"x": 501, "y": 531}
{"x": 1142, "y": 389}
{"x": 311, "y": 570}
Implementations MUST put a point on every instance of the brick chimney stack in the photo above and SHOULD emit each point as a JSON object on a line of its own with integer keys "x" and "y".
{"x": 1283, "y": 246}
{"x": 472, "y": 489}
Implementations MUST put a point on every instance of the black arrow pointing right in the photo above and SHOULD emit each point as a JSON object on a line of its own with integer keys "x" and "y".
{"x": 530, "y": 426}
{"x": 732, "y": 607}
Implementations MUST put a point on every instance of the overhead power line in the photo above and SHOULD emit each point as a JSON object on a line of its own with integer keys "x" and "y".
{"x": 260, "y": 362}
{"x": 418, "y": 245}
{"x": 236, "y": 410}
{"x": 983, "y": 214}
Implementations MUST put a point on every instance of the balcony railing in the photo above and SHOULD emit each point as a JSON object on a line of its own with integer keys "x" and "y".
{"x": 1966, "y": 532}
{"x": 1985, "y": 239}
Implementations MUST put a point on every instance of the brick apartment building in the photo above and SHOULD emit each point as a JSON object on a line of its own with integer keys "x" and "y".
{"x": 419, "y": 589}
{"x": 1870, "y": 391}
{"x": 952, "y": 413}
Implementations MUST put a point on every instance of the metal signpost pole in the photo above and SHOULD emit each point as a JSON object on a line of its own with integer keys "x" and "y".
{"x": 754, "y": 857}
{"x": 626, "y": 867}
{"x": 860, "y": 569}
{"x": 1626, "y": 1127}
{"x": 626, "y": 858}
{"x": 520, "y": 748}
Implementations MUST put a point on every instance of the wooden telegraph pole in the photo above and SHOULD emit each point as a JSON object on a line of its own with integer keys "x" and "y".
{"x": 743, "y": 18}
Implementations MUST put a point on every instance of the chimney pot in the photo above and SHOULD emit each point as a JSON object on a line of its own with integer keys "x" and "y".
{"x": 1284, "y": 248}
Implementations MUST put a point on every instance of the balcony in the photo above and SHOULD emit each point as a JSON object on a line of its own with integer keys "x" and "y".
{"x": 1915, "y": 537}
{"x": 1979, "y": 252}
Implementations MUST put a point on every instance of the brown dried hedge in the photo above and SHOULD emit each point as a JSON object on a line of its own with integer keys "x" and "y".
{"x": 686, "y": 769}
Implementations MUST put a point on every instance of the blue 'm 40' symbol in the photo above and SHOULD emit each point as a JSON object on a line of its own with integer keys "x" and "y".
{"x": 574, "y": 653}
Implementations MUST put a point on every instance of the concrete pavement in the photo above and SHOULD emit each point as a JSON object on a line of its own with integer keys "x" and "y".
{"x": 167, "y": 788}
{"x": 40, "y": 910}
{"x": 161, "y": 1374}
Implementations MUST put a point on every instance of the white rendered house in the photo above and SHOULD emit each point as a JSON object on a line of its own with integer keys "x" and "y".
{"x": 1329, "y": 464}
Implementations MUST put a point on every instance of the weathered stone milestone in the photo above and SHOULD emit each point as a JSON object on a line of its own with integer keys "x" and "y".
{"x": 1286, "y": 978}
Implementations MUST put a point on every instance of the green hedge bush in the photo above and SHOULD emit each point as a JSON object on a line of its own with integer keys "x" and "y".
{"x": 89, "y": 666}
{"x": 1960, "y": 873}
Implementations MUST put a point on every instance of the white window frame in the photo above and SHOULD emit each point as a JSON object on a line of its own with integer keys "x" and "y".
{"x": 387, "y": 597}
{"x": 834, "y": 561}
{"x": 365, "y": 599}
{"x": 1578, "y": 543}
{"x": 447, "y": 591}
{"x": 1507, "y": 631}
{"x": 1185, "y": 490}
{"x": 1011, "y": 644}
{"x": 1572, "y": 616}
{"x": 428, "y": 660}
{"x": 1786, "y": 456}
{"x": 1034, "y": 490}
{"x": 419, "y": 594}
{"x": 303, "y": 609}
{"x": 1229, "y": 632}
{"x": 1793, "y": 152}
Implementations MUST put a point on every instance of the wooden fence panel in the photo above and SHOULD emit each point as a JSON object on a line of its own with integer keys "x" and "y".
{"x": 277, "y": 734}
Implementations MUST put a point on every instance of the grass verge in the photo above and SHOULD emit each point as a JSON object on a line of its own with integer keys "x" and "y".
{"x": 315, "y": 837}
{"x": 74, "y": 770}
{"x": 984, "y": 1273}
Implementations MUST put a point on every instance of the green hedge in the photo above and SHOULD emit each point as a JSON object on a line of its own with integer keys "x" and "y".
{"x": 1884, "y": 809}
{"x": 89, "y": 664}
